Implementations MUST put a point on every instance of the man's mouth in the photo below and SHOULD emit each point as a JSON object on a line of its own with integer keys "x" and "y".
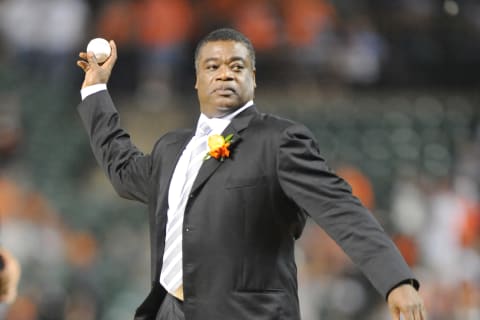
{"x": 224, "y": 91}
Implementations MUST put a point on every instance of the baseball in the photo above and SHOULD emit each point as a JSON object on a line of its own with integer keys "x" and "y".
{"x": 100, "y": 48}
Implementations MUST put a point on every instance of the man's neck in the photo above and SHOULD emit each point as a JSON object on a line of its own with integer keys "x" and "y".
{"x": 229, "y": 113}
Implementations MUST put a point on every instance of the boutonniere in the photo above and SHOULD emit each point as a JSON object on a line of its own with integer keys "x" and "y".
{"x": 219, "y": 147}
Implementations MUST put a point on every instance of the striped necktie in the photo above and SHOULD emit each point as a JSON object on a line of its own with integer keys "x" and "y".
{"x": 171, "y": 276}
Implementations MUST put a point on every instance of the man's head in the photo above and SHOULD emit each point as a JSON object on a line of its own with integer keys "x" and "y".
{"x": 225, "y": 66}
{"x": 226, "y": 34}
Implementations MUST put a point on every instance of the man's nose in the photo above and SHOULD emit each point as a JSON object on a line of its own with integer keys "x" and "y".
{"x": 224, "y": 73}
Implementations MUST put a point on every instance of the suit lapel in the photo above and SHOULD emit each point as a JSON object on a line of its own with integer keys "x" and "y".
{"x": 236, "y": 126}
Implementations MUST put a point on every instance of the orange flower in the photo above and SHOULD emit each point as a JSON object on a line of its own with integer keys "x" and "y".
{"x": 219, "y": 147}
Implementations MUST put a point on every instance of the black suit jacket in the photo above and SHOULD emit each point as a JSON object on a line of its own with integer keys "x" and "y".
{"x": 243, "y": 214}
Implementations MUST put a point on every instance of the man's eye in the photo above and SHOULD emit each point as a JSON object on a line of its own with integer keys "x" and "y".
{"x": 237, "y": 67}
{"x": 212, "y": 67}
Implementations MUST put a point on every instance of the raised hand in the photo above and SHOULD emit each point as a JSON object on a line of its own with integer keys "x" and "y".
{"x": 97, "y": 73}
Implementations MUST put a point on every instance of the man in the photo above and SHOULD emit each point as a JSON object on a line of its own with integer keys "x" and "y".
{"x": 224, "y": 217}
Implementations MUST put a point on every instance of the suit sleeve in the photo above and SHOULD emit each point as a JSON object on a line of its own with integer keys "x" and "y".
{"x": 127, "y": 168}
{"x": 327, "y": 199}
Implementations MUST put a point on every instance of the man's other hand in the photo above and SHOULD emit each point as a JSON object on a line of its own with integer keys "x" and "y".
{"x": 404, "y": 300}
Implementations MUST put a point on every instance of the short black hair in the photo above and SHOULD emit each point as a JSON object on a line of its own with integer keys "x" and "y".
{"x": 226, "y": 34}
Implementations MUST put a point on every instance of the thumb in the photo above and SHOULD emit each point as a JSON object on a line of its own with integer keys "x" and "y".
{"x": 113, "y": 56}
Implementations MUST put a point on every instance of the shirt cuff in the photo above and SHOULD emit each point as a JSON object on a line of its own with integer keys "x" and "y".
{"x": 413, "y": 282}
{"x": 87, "y": 91}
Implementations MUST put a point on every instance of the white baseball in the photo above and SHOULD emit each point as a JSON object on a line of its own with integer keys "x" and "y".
{"x": 100, "y": 48}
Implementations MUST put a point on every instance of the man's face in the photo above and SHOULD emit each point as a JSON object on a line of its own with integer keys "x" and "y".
{"x": 225, "y": 77}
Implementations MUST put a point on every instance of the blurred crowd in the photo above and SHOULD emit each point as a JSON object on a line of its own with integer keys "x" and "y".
{"x": 388, "y": 87}
{"x": 353, "y": 42}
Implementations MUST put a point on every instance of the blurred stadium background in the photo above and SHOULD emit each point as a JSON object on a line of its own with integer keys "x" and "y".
{"x": 390, "y": 88}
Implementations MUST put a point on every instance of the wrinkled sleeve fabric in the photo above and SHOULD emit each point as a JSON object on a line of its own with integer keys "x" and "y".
{"x": 128, "y": 169}
{"x": 305, "y": 177}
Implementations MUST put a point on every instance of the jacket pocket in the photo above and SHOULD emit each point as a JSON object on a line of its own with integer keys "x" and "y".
{"x": 261, "y": 305}
{"x": 242, "y": 182}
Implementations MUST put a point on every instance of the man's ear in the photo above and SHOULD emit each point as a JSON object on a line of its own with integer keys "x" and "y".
{"x": 196, "y": 82}
{"x": 254, "y": 78}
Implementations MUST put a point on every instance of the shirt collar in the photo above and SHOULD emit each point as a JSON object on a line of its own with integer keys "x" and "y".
{"x": 232, "y": 115}
{"x": 222, "y": 122}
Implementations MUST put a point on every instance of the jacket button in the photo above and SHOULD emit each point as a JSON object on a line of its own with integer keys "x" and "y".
{"x": 192, "y": 195}
{"x": 187, "y": 229}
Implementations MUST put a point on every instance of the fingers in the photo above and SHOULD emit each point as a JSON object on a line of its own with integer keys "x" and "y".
{"x": 420, "y": 313}
{"x": 83, "y": 65}
{"x": 417, "y": 313}
{"x": 92, "y": 60}
{"x": 89, "y": 61}
{"x": 395, "y": 314}
{"x": 113, "y": 56}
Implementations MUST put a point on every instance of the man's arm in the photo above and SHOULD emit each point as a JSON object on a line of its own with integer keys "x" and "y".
{"x": 327, "y": 199}
{"x": 127, "y": 168}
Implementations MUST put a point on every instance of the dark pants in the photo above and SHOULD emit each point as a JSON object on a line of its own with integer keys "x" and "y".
{"x": 171, "y": 309}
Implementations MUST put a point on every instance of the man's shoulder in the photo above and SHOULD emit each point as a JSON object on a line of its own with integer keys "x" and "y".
{"x": 274, "y": 121}
{"x": 278, "y": 127}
